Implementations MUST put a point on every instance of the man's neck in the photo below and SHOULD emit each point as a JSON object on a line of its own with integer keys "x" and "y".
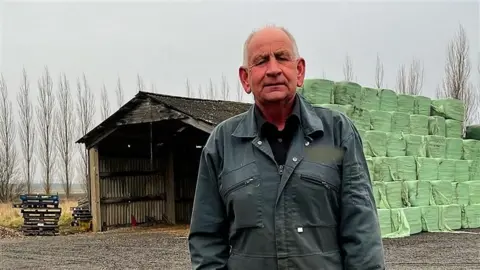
{"x": 277, "y": 113}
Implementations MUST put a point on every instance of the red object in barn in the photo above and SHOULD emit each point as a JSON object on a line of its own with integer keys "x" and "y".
{"x": 133, "y": 221}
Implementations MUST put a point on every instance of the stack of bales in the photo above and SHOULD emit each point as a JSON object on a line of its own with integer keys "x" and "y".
{"x": 425, "y": 174}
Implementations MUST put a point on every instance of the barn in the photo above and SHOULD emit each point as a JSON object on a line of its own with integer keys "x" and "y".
{"x": 143, "y": 159}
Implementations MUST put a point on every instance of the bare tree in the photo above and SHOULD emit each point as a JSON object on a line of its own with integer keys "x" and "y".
{"x": 324, "y": 75}
{"x": 200, "y": 92}
{"x": 140, "y": 84}
{"x": 457, "y": 73}
{"x": 153, "y": 88}
{"x": 211, "y": 90}
{"x": 27, "y": 130}
{"x": 45, "y": 113}
{"x": 119, "y": 93}
{"x": 225, "y": 88}
{"x": 402, "y": 80}
{"x": 86, "y": 113}
{"x": 188, "y": 88}
{"x": 379, "y": 73}
{"x": 65, "y": 133}
{"x": 348, "y": 69}
{"x": 411, "y": 81}
{"x": 239, "y": 92}
{"x": 8, "y": 153}
{"x": 105, "y": 109}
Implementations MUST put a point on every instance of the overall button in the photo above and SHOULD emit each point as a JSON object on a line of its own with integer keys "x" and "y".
{"x": 259, "y": 142}
{"x": 295, "y": 159}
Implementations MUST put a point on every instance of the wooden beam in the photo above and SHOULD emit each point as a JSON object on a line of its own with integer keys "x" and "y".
{"x": 101, "y": 137}
{"x": 130, "y": 199}
{"x": 170, "y": 188}
{"x": 198, "y": 124}
{"x": 95, "y": 189}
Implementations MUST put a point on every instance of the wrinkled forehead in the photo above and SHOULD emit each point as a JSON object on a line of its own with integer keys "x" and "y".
{"x": 268, "y": 44}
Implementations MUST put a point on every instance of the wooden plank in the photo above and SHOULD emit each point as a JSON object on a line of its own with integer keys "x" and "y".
{"x": 160, "y": 197}
{"x": 95, "y": 189}
{"x": 198, "y": 124}
{"x": 170, "y": 188}
{"x": 129, "y": 173}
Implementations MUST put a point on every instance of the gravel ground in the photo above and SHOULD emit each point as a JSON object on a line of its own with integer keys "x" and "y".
{"x": 160, "y": 250}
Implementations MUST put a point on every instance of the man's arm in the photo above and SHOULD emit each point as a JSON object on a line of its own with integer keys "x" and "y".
{"x": 360, "y": 236}
{"x": 208, "y": 238}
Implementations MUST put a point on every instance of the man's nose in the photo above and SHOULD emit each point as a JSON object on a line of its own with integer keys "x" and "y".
{"x": 273, "y": 68}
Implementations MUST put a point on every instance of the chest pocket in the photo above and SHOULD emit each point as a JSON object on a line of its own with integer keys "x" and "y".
{"x": 241, "y": 190}
{"x": 317, "y": 191}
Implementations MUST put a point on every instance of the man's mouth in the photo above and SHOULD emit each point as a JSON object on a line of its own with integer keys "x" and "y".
{"x": 274, "y": 84}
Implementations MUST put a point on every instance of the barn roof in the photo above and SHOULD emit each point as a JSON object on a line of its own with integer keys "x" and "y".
{"x": 151, "y": 107}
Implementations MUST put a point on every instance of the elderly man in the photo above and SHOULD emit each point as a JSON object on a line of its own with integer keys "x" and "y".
{"x": 283, "y": 185}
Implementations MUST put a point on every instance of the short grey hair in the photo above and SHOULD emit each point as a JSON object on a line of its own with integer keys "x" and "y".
{"x": 249, "y": 38}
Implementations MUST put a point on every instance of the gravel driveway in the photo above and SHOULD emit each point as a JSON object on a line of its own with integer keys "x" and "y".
{"x": 159, "y": 250}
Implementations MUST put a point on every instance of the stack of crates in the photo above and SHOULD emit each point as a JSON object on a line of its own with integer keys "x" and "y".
{"x": 82, "y": 216}
{"x": 41, "y": 214}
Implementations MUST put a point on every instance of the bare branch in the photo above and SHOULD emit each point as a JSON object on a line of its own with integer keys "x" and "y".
{"x": 239, "y": 92}
{"x": 27, "y": 130}
{"x": 225, "y": 88}
{"x": 65, "y": 132}
{"x": 119, "y": 93}
{"x": 188, "y": 88}
{"x": 324, "y": 75}
{"x": 211, "y": 90}
{"x": 140, "y": 84}
{"x": 402, "y": 80}
{"x": 348, "y": 69}
{"x": 379, "y": 73}
{"x": 105, "y": 109}
{"x": 45, "y": 113}
{"x": 415, "y": 78}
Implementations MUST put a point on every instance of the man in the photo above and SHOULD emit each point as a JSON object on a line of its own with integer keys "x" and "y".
{"x": 284, "y": 185}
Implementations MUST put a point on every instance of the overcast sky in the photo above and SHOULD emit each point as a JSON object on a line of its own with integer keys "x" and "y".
{"x": 167, "y": 42}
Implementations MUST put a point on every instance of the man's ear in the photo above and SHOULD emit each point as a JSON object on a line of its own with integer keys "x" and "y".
{"x": 243, "y": 75}
{"x": 300, "y": 72}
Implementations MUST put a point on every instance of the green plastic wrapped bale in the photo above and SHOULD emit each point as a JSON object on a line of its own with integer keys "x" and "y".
{"x": 453, "y": 148}
{"x": 449, "y": 108}
{"x": 361, "y": 118}
{"x": 416, "y": 145}
{"x": 422, "y": 105}
{"x": 442, "y": 192}
{"x": 384, "y": 169}
{"x": 362, "y": 134}
{"x": 347, "y": 93}
{"x": 414, "y": 219}
{"x": 396, "y": 145}
{"x": 370, "y": 167}
{"x": 446, "y": 170}
{"x": 345, "y": 109}
{"x": 474, "y": 170}
{"x": 471, "y": 149}
{"x": 472, "y": 132}
{"x": 380, "y": 195}
{"x": 318, "y": 91}
{"x": 453, "y": 129}
{"x": 376, "y": 143}
{"x": 472, "y": 191}
{"x": 388, "y": 100}
{"x": 419, "y": 193}
{"x": 430, "y": 216}
{"x": 385, "y": 221}
{"x": 436, "y": 126}
{"x": 462, "y": 171}
{"x": 405, "y": 103}
{"x": 381, "y": 121}
{"x": 406, "y": 168}
{"x": 436, "y": 146}
{"x": 471, "y": 216}
{"x": 400, "y": 226}
{"x": 427, "y": 168}
{"x": 460, "y": 193}
{"x": 370, "y": 98}
{"x": 450, "y": 217}
{"x": 395, "y": 193}
{"x": 418, "y": 124}
{"x": 400, "y": 122}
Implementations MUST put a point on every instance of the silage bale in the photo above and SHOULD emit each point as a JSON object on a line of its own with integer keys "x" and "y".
{"x": 388, "y": 100}
{"x": 453, "y": 148}
{"x": 400, "y": 226}
{"x": 462, "y": 171}
{"x": 318, "y": 91}
{"x": 406, "y": 168}
{"x": 472, "y": 191}
{"x": 384, "y": 169}
{"x": 416, "y": 145}
{"x": 418, "y": 124}
{"x": 395, "y": 194}
{"x": 376, "y": 142}
{"x": 471, "y": 216}
{"x": 472, "y": 132}
{"x": 449, "y": 108}
{"x": 474, "y": 170}
{"x": 400, "y": 122}
{"x": 422, "y": 105}
{"x": 405, "y": 103}
{"x": 446, "y": 169}
{"x": 453, "y": 128}
{"x": 380, "y": 195}
{"x": 370, "y": 167}
{"x": 396, "y": 145}
{"x": 436, "y": 126}
{"x": 430, "y": 216}
{"x": 414, "y": 219}
{"x": 361, "y": 118}
{"x": 471, "y": 149}
{"x": 442, "y": 192}
{"x": 436, "y": 146}
{"x": 381, "y": 121}
{"x": 347, "y": 93}
{"x": 345, "y": 109}
{"x": 384, "y": 218}
{"x": 370, "y": 99}
{"x": 419, "y": 192}
{"x": 461, "y": 193}
{"x": 427, "y": 168}
{"x": 450, "y": 217}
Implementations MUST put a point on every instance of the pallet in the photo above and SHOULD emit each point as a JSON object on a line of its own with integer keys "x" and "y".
{"x": 41, "y": 214}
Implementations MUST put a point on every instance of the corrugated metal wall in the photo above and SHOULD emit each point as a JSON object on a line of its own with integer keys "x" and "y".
{"x": 118, "y": 214}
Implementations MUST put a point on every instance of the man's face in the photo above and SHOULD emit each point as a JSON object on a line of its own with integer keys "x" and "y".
{"x": 272, "y": 73}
